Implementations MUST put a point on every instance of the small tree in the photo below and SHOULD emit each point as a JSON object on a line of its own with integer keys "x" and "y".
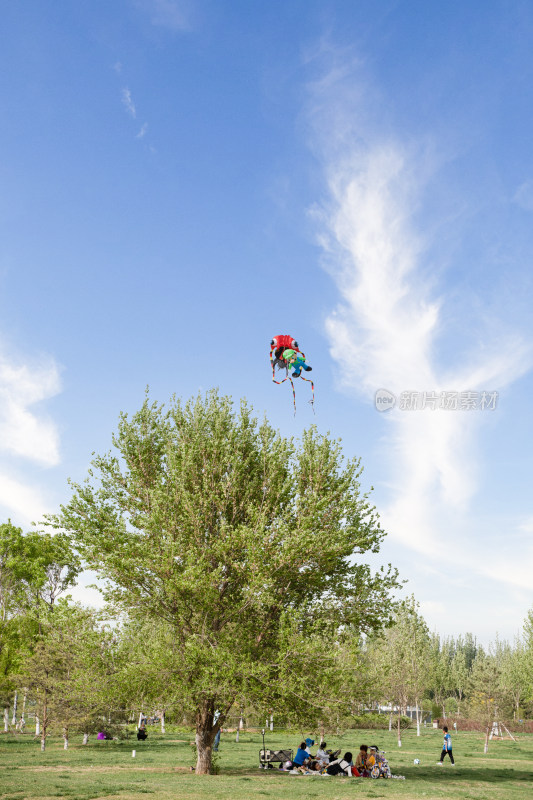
{"x": 514, "y": 667}
{"x": 233, "y": 536}
{"x": 35, "y": 568}
{"x": 72, "y": 672}
{"x": 459, "y": 676}
{"x": 402, "y": 656}
{"x": 485, "y": 694}
{"x": 528, "y": 655}
{"x": 442, "y": 652}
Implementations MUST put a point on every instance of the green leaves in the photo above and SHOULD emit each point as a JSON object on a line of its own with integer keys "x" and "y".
{"x": 213, "y": 527}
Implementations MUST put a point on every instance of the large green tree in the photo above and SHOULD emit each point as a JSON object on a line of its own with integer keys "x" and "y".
{"x": 248, "y": 546}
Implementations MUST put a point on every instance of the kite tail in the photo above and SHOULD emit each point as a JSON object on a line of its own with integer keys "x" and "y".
{"x": 287, "y": 377}
{"x": 274, "y": 364}
{"x": 312, "y": 401}
{"x": 293, "y": 393}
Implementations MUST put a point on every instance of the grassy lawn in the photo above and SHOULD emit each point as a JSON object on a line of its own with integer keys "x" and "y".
{"x": 162, "y": 769}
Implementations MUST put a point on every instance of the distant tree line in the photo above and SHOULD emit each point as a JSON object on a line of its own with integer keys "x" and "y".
{"x": 450, "y": 677}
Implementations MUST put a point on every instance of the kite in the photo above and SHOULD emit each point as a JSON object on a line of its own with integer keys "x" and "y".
{"x": 285, "y": 354}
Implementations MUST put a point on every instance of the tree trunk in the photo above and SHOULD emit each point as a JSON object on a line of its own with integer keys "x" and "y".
{"x": 85, "y": 738}
{"x": 22, "y": 719}
{"x": 14, "y": 717}
{"x": 6, "y": 719}
{"x": 399, "y": 730}
{"x": 390, "y": 718}
{"x": 240, "y": 726}
{"x": 487, "y": 734}
{"x": 204, "y": 749}
{"x": 65, "y": 738}
{"x": 37, "y": 726}
{"x": 205, "y": 734}
{"x": 163, "y": 722}
{"x": 418, "y": 715}
{"x": 46, "y": 721}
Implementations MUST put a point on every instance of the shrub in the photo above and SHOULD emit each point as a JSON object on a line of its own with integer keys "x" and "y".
{"x": 378, "y": 722}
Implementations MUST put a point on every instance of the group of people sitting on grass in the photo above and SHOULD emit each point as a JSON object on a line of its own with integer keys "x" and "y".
{"x": 329, "y": 762}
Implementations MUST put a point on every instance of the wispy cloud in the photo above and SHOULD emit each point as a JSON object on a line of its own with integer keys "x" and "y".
{"x": 175, "y": 15}
{"x": 523, "y": 196}
{"x": 142, "y": 131}
{"x": 388, "y": 325}
{"x": 128, "y": 103}
{"x": 512, "y": 564}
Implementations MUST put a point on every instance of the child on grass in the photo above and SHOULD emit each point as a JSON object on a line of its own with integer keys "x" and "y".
{"x": 446, "y": 747}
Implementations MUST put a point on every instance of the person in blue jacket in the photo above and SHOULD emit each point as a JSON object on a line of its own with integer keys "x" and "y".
{"x": 301, "y": 756}
{"x": 446, "y": 747}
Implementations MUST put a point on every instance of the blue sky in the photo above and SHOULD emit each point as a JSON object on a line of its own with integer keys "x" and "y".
{"x": 358, "y": 174}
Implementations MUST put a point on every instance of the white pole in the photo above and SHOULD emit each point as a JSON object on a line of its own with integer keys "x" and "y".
{"x": 14, "y": 717}
{"x": 509, "y": 732}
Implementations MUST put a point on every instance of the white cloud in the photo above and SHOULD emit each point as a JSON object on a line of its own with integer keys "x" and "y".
{"x": 26, "y": 504}
{"x": 128, "y": 102}
{"x": 386, "y": 330}
{"x": 25, "y": 433}
{"x": 22, "y": 432}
